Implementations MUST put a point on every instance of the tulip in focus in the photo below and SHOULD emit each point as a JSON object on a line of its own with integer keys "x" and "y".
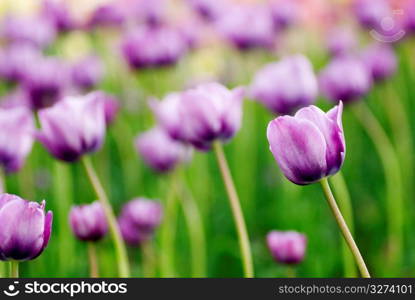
{"x": 310, "y": 145}
{"x": 88, "y": 222}
{"x": 345, "y": 78}
{"x": 73, "y": 127}
{"x": 287, "y": 247}
{"x": 201, "y": 115}
{"x": 287, "y": 85}
{"x": 159, "y": 150}
{"x": 139, "y": 218}
{"x": 87, "y": 72}
{"x": 16, "y": 137}
{"x": 381, "y": 61}
{"x": 25, "y": 228}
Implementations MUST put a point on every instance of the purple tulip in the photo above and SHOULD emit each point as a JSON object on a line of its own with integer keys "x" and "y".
{"x": 409, "y": 21}
{"x": 381, "y": 61}
{"x": 73, "y": 127}
{"x": 371, "y": 13}
{"x": 16, "y": 60}
{"x": 341, "y": 41}
{"x": 138, "y": 220}
{"x": 143, "y": 213}
{"x": 59, "y": 15}
{"x": 287, "y": 85}
{"x": 159, "y": 150}
{"x": 345, "y": 78}
{"x": 16, "y": 137}
{"x": 87, "y": 72}
{"x": 25, "y": 229}
{"x": 284, "y": 13}
{"x": 152, "y": 47}
{"x": 111, "y": 105}
{"x": 208, "y": 10}
{"x": 88, "y": 222}
{"x": 310, "y": 145}
{"x": 248, "y": 27}
{"x": 153, "y": 13}
{"x": 45, "y": 81}
{"x": 201, "y": 115}
{"x": 107, "y": 15}
{"x": 31, "y": 30}
{"x": 287, "y": 247}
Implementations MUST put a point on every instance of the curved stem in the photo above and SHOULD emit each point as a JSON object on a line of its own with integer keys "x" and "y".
{"x": 392, "y": 171}
{"x": 196, "y": 232}
{"x": 244, "y": 245}
{"x": 344, "y": 229}
{"x": 93, "y": 261}
{"x": 345, "y": 204}
{"x": 121, "y": 252}
{"x": 168, "y": 233}
{"x": 14, "y": 269}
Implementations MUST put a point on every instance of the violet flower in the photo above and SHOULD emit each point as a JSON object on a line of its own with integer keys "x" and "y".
{"x": 16, "y": 137}
{"x": 287, "y": 85}
{"x": 341, "y": 41}
{"x": 310, "y": 145}
{"x": 110, "y": 14}
{"x": 26, "y": 228}
{"x": 381, "y": 61}
{"x": 87, "y": 72}
{"x": 345, "y": 78}
{"x": 73, "y": 127}
{"x": 284, "y": 13}
{"x": 209, "y": 10}
{"x": 59, "y": 15}
{"x": 88, "y": 222}
{"x": 287, "y": 247}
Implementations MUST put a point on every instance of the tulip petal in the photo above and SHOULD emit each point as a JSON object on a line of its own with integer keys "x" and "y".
{"x": 299, "y": 148}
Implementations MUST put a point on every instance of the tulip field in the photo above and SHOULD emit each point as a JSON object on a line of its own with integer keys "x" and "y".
{"x": 204, "y": 138}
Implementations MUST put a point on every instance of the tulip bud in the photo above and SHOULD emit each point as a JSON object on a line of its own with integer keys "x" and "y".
{"x": 380, "y": 60}
{"x": 58, "y": 14}
{"x": 371, "y": 13}
{"x": 87, "y": 72}
{"x": 287, "y": 247}
{"x": 201, "y": 115}
{"x": 310, "y": 145}
{"x": 73, "y": 127}
{"x": 143, "y": 213}
{"x": 159, "y": 150}
{"x": 287, "y": 85}
{"x": 88, "y": 222}
{"x": 346, "y": 79}
{"x": 341, "y": 41}
{"x": 132, "y": 234}
{"x": 153, "y": 47}
{"x": 16, "y": 137}
{"x": 25, "y": 228}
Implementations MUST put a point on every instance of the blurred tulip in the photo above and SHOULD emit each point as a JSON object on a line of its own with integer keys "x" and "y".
{"x": 111, "y": 105}
{"x": 45, "y": 81}
{"x": 371, "y": 13}
{"x": 152, "y": 13}
{"x": 31, "y": 30}
{"x": 209, "y": 10}
{"x": 287, "y": 85}
{"x": 88, "y": 222}
{"x": 341, "y": 41}
{"x": 16, "y": 137}
{"x": 287, "y": 247}
{"x": 247, "y": 27}
{"x": 152, "y": 47}
{"x": 159, "y": 150}
{"x": 345, "y": 78}
{"x": 284, "y": 12}
{"x": 381, "y": 61}
{"x": 201, "y": 115}
{"x": 16, "y": 60}
{"x": 87, "y": 72}
{"x": 409, "y": 16}
{"x": 139, "y": 218}
{"x": 310, "y": 145}
{"x": 58, "y": 14}
{"x": 73, "y": 127}
{"x": 25, "y": 227}
{"x": 110, "y": 14}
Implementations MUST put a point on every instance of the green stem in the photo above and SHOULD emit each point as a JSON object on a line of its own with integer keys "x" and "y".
{"x": 291, "y": 272}
{"x": 236, "y": 211}
{"x": 394, "y": 189}
{"x": 121, "y": 252}
{"x": 62, "y": 189}
{"x": 344, "y": 229}
{"x": 196, "y": 233}
{"x": 14, "y": 269}
{"x": 168, "y": 231}
{"x": 345, "y": 204}
{"x": 148, "y": 259}
{"x": 93, "y": 260}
